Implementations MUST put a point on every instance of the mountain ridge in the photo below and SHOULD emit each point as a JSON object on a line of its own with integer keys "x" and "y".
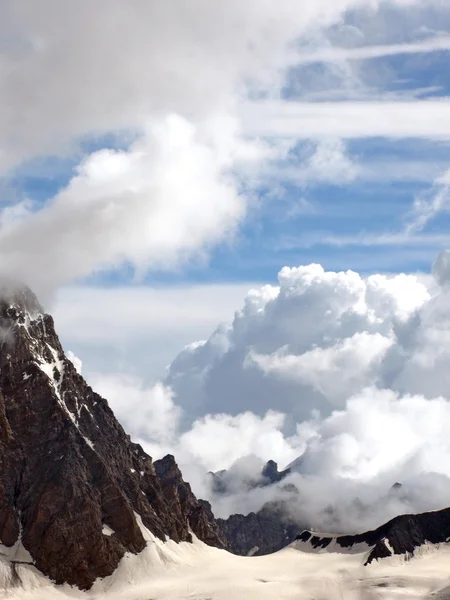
{"x": 75, "y": 491}
{"x": 69, "y": 472}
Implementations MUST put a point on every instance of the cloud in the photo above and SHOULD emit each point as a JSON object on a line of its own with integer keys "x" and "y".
{"x": 303, "y": 362}
{"x": 429, "y": 119}
{"x": 77, "y": 362}
{"x": 103, "y": 83}
{"x": 168, "y": 91}
{"x": 333, "y": 371}
{"x": 428, "y": 204}
{"x": 309, "y": 343}
{"x": 162, "y": 201}
{"x": 335, "y": 54}
{"x": 344, "y": 376}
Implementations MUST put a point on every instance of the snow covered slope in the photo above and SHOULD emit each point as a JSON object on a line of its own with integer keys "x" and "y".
{"x": 171, "y": 571}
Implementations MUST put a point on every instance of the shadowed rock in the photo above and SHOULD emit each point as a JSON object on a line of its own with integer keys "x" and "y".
{"x": 69, "y": 474}
{"x": 401, "y": 535}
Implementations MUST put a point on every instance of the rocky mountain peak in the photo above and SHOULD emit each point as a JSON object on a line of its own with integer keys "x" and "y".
{"x": 271, "y": 473}
{"x": 17, "y": 299}
{"x": 74, "y": 488}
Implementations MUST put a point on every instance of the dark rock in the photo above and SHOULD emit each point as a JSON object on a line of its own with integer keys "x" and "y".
{"x": 223, "y": 482}
{"x": 264, "y": 532}
{"x": 401, "y": 535}
{"x": 271, "y": 474}
{"x": 190, "y": 512}
{"x": 67, "y": 468}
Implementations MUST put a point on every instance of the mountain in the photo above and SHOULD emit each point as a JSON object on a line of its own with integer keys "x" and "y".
{"x": 74, "y": 488}
{"x": 402, "y": 535}
{"x": 262, "y": 532}
{"x": 223, "y": 482}
{"x": 268, "y": 530}
{"x": 76, "y": 495}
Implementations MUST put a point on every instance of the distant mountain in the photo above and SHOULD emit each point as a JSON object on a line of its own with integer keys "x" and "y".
{"x": 74, "y": 489}
{"x": 402, "y": 535}
{"x": 222, "y": 482}
{"x": 255, "y": 534}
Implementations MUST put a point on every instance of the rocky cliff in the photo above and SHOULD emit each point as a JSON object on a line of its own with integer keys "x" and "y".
{"x": 71, "y": 480}
{"x": 401, "y": 535}
{"x": 263, "y": 532}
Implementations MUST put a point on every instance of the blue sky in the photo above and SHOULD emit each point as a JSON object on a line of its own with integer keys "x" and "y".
{"x": 217, "y": 150}
{"x": 297, "y": 218}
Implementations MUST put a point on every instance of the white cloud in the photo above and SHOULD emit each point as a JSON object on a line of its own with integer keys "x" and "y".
{"x": 149, "y": 412}
{"x": 346, "y": 376}
{"x": 329, "y": 163}
{"x": 349, "y": 120}
{"x": 77, "y": 362}
{"x": 335, "y": 371}
{"x": 428, "y": 204}
{"x": 164, "y": 200}
{"x": 336, "y": 54}
{"x": 174, "y": 82}
{"x": 332, "y": 330}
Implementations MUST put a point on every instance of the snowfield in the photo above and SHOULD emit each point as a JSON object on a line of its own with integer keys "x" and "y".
{"x": 170, "y": 571}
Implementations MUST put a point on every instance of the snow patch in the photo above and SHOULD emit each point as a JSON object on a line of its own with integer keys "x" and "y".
{"x": 107, "y": 530}
{"x": 88, "y": 442}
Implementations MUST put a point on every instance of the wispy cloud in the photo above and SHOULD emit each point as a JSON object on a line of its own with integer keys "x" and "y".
{"x": 385, "y": 170}
{"x": 337, "y": 54}
{"x": 429, "y": 119}
{"x": 430, "y": 203}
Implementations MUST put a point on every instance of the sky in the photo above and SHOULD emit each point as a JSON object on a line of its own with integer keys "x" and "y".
{"x": 238, "y": 215}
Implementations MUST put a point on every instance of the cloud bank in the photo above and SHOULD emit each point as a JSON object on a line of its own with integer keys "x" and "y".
{"x": 343, "y": 375}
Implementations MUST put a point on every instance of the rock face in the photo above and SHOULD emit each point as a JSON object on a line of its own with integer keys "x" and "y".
{"x": 71, "y": 480}
{"x": 401, "y": 535}
{"x": 271, "y": 474}
{"x": 180, "y": 498}
{"x": 263, "y": 532}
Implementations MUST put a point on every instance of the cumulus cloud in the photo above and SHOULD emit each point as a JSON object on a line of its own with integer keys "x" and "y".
{"x": 309, "y": 343}
{"x": 343, "y": 377}
{"x": 147, "y": 411}
{"x": 167, "y": 197}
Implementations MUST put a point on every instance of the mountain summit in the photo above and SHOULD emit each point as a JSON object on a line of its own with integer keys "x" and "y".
{"x": 74, "y": 489}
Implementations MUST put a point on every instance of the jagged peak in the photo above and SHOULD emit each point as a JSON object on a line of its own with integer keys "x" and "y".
{"x": 402, "y": 535}
{"x": 17, "y": 298}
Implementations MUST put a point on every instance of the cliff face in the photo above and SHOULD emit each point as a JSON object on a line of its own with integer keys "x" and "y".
{"x": 266, "y": 530}
{"x": 71, "y": 480}
{"x": 263, "y": 532}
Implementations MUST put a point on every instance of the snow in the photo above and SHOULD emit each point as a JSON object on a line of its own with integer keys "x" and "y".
{"x": 88, "y": 442}
{"x": 16, "y": 553}
{"x": 170, "y": 571}
{"x": 107, "y": 530}
{"x": 50, "y": 369}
